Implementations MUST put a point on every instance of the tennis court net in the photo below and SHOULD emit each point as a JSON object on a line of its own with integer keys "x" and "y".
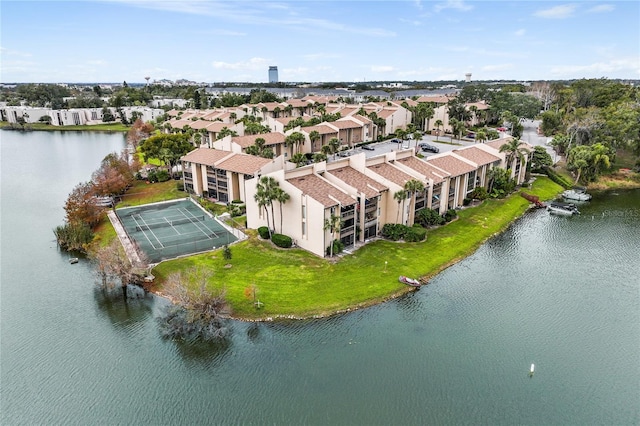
{"x": 167, "y": 223}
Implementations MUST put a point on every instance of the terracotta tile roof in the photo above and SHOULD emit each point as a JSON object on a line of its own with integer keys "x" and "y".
{"x": 271, "y": 106}
{"x": 451, "y": 164}
{"x": 424, "y": 168}
{"x": 285, "y": 120}
{"x": 199, "y": 124}
{"x": 347, "y": 111}
{"x": 205, "y": 156}
{"x": 243, "y": 163}
{"x": 273, "y": 138}
{"x": 346, "y": 124}
{"x": 360, "y": 181}
{"x": 297, "y": 103}
{"x": 217, "y": 126}
{"x": 391, "y": 173}
{"x": 477, "y": 155}
{"x": 497, "y": 143}
{"x": 321, "y": 191}
{"x": 438, "y": 99}
{"x": 179, "y": 124}
{"x": 385, "y": 113}
{"x": 480, "y": 105}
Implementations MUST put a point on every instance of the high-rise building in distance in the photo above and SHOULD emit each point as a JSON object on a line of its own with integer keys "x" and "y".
{"x": 273, "y": 74}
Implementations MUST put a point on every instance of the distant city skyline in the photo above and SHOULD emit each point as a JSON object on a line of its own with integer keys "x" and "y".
{"x": 317, "y": 41}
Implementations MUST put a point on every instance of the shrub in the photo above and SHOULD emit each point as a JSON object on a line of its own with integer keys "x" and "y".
{"x": 466, "y": 201}
{"x": 479, "y": 193}
{"x": 428, "y": 217}
{"x": 281, "y": 240}
{"x": 560, "y": 180}
{"x": 264, "y": 232}
{"x": 73, "y": 236}
{"x": 338, "y": 246}
{"x": 394, "y": 231}
{"x": 162, "y": 175}
{"x": 151, "y": 176}
{"x": 236, "y": 209}
{"x": 415, "y": 234}
{"x": 180, "y": 185}
{"x": 450, "y": 215}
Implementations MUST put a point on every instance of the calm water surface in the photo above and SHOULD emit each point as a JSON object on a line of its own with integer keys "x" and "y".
{"x": 562, "y": 293}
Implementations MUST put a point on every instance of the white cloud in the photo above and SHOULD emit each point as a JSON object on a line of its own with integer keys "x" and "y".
{"x": 453, "y": 4}
{"x": 410, "y": 22}
{"x": 557, "y": 12}
{"x": 11, "y": 52}
{"x": 520, "y": 32}
{"x": 629, "y": 66}
{"x": 251, "y": 64}
{"x": 419, "y": 4}
{"x": 601, "y": 8}
{"x": 256, "y": 13}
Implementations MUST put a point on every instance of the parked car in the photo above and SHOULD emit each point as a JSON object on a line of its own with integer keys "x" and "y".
{"x": 429, "y": 148}
{"x": 471, "y": 135}
{"x": 344, "y": 153}
{"x": 368, "y": 147}
{"x": 395, "y": 140}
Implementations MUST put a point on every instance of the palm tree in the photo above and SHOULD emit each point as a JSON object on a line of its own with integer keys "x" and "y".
{"x": 326, "y": 150}
{"x": 438, "y": 124}
{"x": 281, "y": 197}
{"x": 599, "y": 156}
{"x": 295, "y": 139}
{"x": 416, "y": 136}
{"x": 412, "y": 187}
{"x": 513, "y": 150}
{"x": 299, "y": 159}
{"x": 319, "y": 157}
{"x": 314, "y": 136}
{"x": 481, "y": 135}
{"x": 333, "y": 224}
{"x": 266, "y": 191}
{"x": 400, "y": 196}
{"x": 334, "y": 143}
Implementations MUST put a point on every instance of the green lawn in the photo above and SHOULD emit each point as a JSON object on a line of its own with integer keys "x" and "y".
{"x": 144, "y": 193}
{"x": 298, "y": 284}
{"x": 106, "y": 127}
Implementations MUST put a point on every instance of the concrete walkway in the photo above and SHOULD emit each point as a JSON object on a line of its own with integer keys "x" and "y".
{"x": 126, "y": 242}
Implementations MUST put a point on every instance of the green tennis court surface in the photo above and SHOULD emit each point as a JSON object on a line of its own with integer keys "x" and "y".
{"x": 171, "y": 229}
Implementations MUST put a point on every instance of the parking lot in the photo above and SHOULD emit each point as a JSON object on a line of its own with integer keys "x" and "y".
{"x": 443, "y": 143}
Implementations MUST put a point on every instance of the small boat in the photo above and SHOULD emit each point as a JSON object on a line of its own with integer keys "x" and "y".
{"x": 531, "y": 370}
{"x": 73, "y": 260}
{"x": 566, "y": 209}
{"x": 409, "y": 281}
{"x": 576, "y": 194}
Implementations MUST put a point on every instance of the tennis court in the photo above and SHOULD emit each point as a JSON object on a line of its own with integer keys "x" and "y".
{"x": 171, "y": 229}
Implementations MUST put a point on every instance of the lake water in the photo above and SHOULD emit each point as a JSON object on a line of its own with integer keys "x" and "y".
{"x": 563, "y": 293}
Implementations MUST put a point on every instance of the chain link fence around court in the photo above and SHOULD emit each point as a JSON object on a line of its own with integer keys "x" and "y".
{"x": 170, "y": 229}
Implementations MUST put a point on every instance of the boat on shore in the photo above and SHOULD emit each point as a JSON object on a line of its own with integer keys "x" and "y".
{"x": 566, "y": 209}
{"x": 409, "y": 281}
{"x": 576, "y": 194}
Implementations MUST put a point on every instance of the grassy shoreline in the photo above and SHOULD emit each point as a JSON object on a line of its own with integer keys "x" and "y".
{"x": 294, "y": 284}
{"x": 107, "y": 128}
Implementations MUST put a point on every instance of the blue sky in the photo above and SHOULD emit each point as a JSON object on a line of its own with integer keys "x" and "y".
{"x": 313, "y": 41}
